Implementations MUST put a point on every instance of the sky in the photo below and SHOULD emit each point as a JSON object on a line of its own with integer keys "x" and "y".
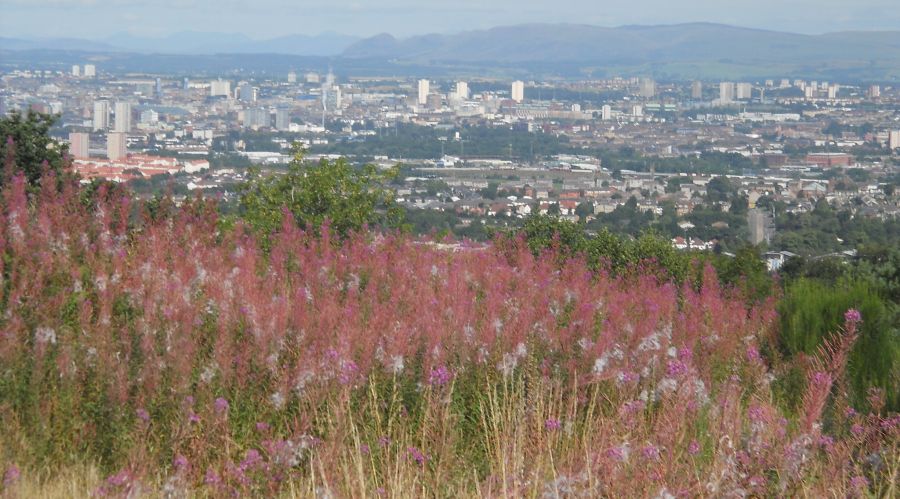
{"x": 260, "y": 19}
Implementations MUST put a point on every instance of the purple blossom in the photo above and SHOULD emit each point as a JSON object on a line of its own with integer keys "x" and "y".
{"x": 857, "y": 430}
{"x": 650, "y": 452}
{"x": 364, "y": 449}
{"x": 676, "y": 368}
{"x": 193, "y": 417}
{"x": 212, "y": 478}
{"x": 416, "y": 455}
{"x": 552, "y": 424}
{"x": 11, "y": 476}
{"x": 251, "y": 459}
{"x": 756, "y": 413}
{"x": 694, "y": 448}
{"x": 220, "y": 405}
{"x": 826, "y": 442}
{"x": 820, "y": 378}
{"x": 262, "y": 427}
{"x": 852, "y": 316}
{"x": 180, "y": 463}
{"x": 859, "y": 483}
{"x": 384, "y": 441}
{"x": 143, "y": 415}
{"x": 752, "y": 354}
{"x": 439, "y": 376}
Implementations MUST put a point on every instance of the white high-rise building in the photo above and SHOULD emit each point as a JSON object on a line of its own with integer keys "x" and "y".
{"x": 606, "y": 112}
{"x": 76, "y": 70}
{"x": 218, "y": 88}
{"x": 743, "y": 91}
{"x": 101, "y": 115}
{"x": 726, "y": 91}
{"x": 116, "y": 146}
{"x": 697, "y": 90}
{"x": 79, "y": 145}
{"x": 462, "y": 90}
{"x": 424, "y": 89}
{"x": 518, "y": 91}
{"x": 894, "y": 139}
{"x": 874, "y": 91}
{"x": 647, "y": 88}
{"x": 90, "y": 71}
{"x": 292, "y": 77}
{"x": 637, "y": 110}
{"x": 123, "y": 117}
{"x": 282, "y": 118}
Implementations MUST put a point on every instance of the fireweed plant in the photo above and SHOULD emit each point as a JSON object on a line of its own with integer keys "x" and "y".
{"x": 161, "y": 355}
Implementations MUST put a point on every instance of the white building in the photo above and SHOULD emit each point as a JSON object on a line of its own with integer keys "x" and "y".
{"x": 90, "y": 71}
{"x": 79, "y": 145}
{"x": 101, "y": 115}
{"x": 518, "y": 91}
{"x": 123, "y": 117}
{"x": 424, "y": 89}
{"x": 292, "y": 77}
{"x": 606, "y": 112}
{"x": 894, "y": 139}
{"x": 743, "y": 91}
{"x": 76, "y": 70}
{"x": 220, "y": 88}
{"x": 462, "y": 90}
{"x": 726, "y": 91}
{"x": 116, "y": 146}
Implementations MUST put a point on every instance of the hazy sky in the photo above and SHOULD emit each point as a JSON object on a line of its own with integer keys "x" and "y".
{"x": 268, "y": 18}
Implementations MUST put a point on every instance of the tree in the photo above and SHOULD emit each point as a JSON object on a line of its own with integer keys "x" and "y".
{"x": 348, "y": 197}
{"x": 27, "y": 146}
{"x": 584, "y": 209}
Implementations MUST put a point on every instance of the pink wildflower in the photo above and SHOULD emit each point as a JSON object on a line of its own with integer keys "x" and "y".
{"x": 552, "y": 424}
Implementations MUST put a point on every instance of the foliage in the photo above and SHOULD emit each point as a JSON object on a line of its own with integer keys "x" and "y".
{"x": 348, "y": 198}
{"x": 27, "y": 147}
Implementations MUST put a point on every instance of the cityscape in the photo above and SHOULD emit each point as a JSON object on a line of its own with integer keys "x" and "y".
{"x": 521, "y": 249}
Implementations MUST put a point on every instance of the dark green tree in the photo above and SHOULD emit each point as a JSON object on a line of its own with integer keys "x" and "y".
{"x": 27, "y": 146}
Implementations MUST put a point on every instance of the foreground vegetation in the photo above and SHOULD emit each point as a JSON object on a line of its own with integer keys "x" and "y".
{"x": 149, "y": 349}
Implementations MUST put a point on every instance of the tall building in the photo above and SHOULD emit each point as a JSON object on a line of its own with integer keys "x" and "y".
{"x": 874, "y": 92}
{"x": 761, "y": 226}
{"x": 292, "y": 77}
{"x": 101, "y": 115}
{"x": 76, "y": 70}
{"x": 606, "y": 112}
{"x": 637, "y": 110}
{"x": 424, "y": 89}
{"x": 647, "y": 88}
{"x": 462, "y": 90}
{"x": 256, "y": 117}
{"x": 116, "y": 146}
{"x": 79, "y": 145}
{"x": 90, "y": 71}
{"x": 282, "y": 119}
{"x": 220, "y": 88}
{"x": 697, "y": 90}
{"x": 246, "y": 93}
{"x": 312, "y": 77}
{"x": 123, "y": 117}
{"x": 743, "y": 91}
{"x": 186, "y": 84}
{"x": 518, "y": 91}
{"x": 894, "y": 139}
{"x": 158, "y": 87}
{"x": 726, "y": 91}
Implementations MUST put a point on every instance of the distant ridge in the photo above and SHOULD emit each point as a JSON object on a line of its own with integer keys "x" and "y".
{"x": 630, "y": 45}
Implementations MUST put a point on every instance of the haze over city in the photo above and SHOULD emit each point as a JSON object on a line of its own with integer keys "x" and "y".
{"x": 97, "y": 19}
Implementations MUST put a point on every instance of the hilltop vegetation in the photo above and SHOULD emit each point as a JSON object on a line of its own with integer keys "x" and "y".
{"x": 149, "y": 348}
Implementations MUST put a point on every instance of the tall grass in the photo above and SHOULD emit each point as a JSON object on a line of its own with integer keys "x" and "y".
{"x": 173, "y": 357}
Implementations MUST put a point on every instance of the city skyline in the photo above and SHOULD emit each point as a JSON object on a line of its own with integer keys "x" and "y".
{"x": 99, "y": 19}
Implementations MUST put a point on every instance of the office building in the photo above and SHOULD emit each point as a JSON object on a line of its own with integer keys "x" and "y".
{"x": 761, "y": 226}
{"x": 116, "y": 146}
{"x": 76, "y": 70}
{"x": 90, "y": 71}
{"x": 79, "y": 145}
{"x": 149, "y": 117}
{"x": 312, "y": 77}
{"x": 743, "y": 91}
{"x": 101, "y": 115}
{"x": 123, "y": 117}
{"x": 424, "y": 89}
{"x": 518, "y": 91}
{"x": 697, "y": 90}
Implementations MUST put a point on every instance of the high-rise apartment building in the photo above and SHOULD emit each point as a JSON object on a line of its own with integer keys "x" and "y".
{"x": 76, "y": 70}
{"x": 424, "y": 89}
{"x": 518, "y": 91}
{"x": 90, "y": 71}
{"x": 647, "y": 88}
{"x": 894, "y": 139}
{"x": 101, "y": 115}
{"x": 123, "y": 117}
{"x": 292, "y": 77}
{"x": 79, "y": 145}
{"x": 726, "y": 91}
{"x": 462, "y": 90}
{"x": 874, "y": 92}
{"x": 220, "y": 88}
{"x": 606, "y": 112}
{"x": 116, "y": 146}
{"x": 743, "y": 91}
{"x": 697, "y": 90}
{"x": 282, "y": 119}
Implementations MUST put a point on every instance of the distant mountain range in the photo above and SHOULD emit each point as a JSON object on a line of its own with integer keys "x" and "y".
{"x": 193, "y": 43}
{"x": 583, "y": 44}
{"x": 682, "y": 51}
